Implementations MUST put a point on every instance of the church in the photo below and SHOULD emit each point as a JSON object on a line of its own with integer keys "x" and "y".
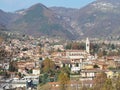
{"x": 79, "y": 54}
{"x": 75, "y": 59}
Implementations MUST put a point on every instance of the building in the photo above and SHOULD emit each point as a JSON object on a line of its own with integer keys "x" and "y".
{"x": 87, "y": 45}
{"x": 36, "y": 71}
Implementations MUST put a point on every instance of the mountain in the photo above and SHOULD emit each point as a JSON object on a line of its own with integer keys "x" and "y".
{"x": 6, "y": 18}
{"x": 98, "y": 19}
{"x": 40, "y": 20}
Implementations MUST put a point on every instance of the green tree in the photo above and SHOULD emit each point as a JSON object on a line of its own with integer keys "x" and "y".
{"x": 43, "y": 79}
{"x": 94, "y": 48}
{"x": 30, "y": 71}
{"x": 19, "y": 74}
{"x": 104, "y": 52}
{"x": 82, "y": 46}
{"x": 69, "y": 46}
{"x": 96, "y": 66}
{"x": 112, "y": 46}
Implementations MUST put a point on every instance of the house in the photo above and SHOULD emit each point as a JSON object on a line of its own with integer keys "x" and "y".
{"x": 90, "y": 74}
{"x": 62, "y": 62}
{"x": 54, "y": 85}
{"x": 26, "y": 64}
{"x": 111, "y": 62}
{"x": 76, "y": 54}
{"x": 112, "y": 73}
{"x": 73, "y": 84}
{"x": 36, "y": 71}
{"x": 22, "y": 70}
{"x": 89, "y": 66}
{"x": 58, "y": 47}
{"x": 103, "y": 65}
{"x": 87, "y": 83}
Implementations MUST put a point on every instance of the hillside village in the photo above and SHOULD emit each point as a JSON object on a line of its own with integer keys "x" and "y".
{"x": 27, "y": 61}
{"x": 60, "y": 47}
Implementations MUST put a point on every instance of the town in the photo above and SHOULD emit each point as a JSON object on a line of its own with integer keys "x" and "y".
{"x": 30, "y": 63}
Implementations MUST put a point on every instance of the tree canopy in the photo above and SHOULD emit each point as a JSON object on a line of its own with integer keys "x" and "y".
{"x": 48, "y": 66}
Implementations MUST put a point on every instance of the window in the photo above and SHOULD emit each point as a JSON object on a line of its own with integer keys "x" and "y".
{"x": 77, "y": 64}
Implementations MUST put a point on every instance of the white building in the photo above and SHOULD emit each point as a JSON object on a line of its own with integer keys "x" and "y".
{"x": 36, "y": 71}
{"x": 87, "y": 45}
{"x": 76, "y": 54}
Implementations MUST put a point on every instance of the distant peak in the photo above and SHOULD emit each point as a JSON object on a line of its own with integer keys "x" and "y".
{"x": 113, "y": 1}
{"x": 38, "y": 5}
{"x": 1, "y": 10}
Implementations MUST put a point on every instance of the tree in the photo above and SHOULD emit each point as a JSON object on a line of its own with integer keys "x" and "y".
{"x": 112, "y": 46}
{"x": 108, "y": 85}
{"x": 30, "y": 71}
{"x": 69, "y": 46}
{"x": 66, "y": 70}
{"x": 84, "y": 88}
{"x": 6, "y": 74}
{"x": 100, "y": 80}
{"x": 75, "y": 45}
{"x": 104, "y": 52}
{"x": 64, "y": 80}
{"x": 48, "y": 66}
{"x": 117, "y": 82}
{"x": 44, "y": 87}
{"x": 96, "y": 66}
{"x": 1, "y": 40}
{"x": 94, "y": 48}
{"x": 12, "y": 67}
{"x": 3, "y": 54}
{"x": 19, "y": 74}
{"x": 100, "y": 53}
{"x": 82, "y": 46}
{"x": 43, "y": 79}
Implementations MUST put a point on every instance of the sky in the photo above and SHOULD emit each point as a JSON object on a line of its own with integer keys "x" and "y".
{"x": 13, "y": 5}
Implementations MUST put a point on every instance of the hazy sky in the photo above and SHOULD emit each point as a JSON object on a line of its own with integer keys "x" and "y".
{"x": 13, "y": 5}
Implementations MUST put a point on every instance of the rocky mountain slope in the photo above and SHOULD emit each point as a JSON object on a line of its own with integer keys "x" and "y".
{"x": 98, "y": 19}
{"x": 40, "y": 20}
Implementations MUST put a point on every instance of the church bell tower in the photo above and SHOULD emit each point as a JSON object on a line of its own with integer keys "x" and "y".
{"x": 87, "y": 45}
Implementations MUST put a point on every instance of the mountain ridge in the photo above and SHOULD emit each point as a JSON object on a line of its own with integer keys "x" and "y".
{"x": 98, "y": 19}
{"x": 40, "y": 20}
